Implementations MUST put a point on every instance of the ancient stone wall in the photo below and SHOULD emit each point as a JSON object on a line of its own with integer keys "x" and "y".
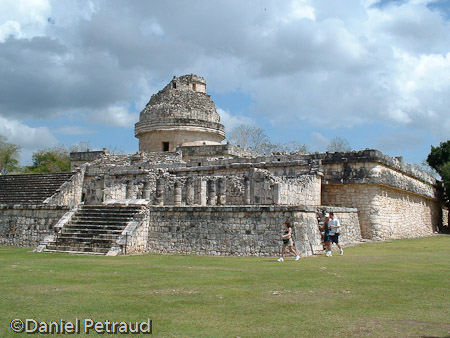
{"x": 240, "y": 231}
{"x": 134, "y": 238}
{"x": 385, "y": 212}
{"x": 70, "y": 193}
{"x": 445, "y": 216}
{"x": 233, "y": 187}
{"x": 153, "y": 140}
{"x": 215, "y": 151}
{"x": 27, "y": 225}
{"x": 378, "y": 173}
{"x": 350, "y": 230}
{"x": 79, "y": 158}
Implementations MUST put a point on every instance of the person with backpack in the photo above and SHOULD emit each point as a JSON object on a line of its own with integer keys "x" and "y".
{"x": 288, "y": 241}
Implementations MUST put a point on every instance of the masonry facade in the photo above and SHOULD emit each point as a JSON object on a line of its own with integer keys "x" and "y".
{"x": 197, "y": 195}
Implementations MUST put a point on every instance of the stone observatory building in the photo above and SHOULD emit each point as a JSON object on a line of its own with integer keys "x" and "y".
{"x": 181, "y": 114}
{"x": 186, "y": 192}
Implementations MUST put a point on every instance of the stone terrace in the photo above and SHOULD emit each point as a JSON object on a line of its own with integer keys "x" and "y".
{"x": 30, "y": 188}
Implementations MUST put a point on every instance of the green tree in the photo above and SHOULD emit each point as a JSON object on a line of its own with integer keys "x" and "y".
{"x": 9, "y": 156}
{"x": 338, "y": 144}
{"x": 439, "y": 155}
{"x": 51, "y": 160}
{"x": 439, "y": 160}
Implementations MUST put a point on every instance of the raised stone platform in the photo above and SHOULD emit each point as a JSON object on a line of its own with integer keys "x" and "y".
{"x": 30, "y": 188}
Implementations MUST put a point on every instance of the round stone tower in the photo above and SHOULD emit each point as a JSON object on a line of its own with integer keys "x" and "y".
{"x": 180, "y": 114}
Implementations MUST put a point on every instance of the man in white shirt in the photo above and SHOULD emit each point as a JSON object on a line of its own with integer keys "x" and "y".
{"x": 334, "y": 225}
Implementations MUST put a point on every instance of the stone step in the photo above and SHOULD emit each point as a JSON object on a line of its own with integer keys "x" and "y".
{"x": 87, "y": 237}
{"x": 30, "y": 188}
{"x": 66, "y": 231}
{"x": 106, "y": 214}
{"x": 104, "y": 223}
{"x": 95, "y": 226}
{"x": 86, "y": 244}
{"x": 76, "y": 252}
{"x": 84, "y": 249}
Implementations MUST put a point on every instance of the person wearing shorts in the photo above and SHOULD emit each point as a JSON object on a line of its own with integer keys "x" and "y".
{"x": 326, "y": 234}
{"x": 334, "y": 227}
{"x": 287, "y": 241}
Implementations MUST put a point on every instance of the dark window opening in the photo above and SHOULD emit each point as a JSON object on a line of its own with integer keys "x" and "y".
{"x": 174, "y": 85}
{"x": 194, "y": 86}
{"x": 165, "y": 146}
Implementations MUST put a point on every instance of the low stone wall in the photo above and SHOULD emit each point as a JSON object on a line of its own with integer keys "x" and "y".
{"x": 28, "y": 225}
{"x": 70, "y": 193}
{"x": 385, "y": 212}
{"x": 350, "y": 230}
{"x": 134, "y": 238}
{"x": 239, "y": 231}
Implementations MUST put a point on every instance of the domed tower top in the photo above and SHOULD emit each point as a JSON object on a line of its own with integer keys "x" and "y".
{"x": 180, "y": 114}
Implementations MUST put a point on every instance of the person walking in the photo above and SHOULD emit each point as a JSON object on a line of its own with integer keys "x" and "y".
{"x": 326, "y": 234}
{"x": 334, "y": 230}
{"x": 287, "y": 241}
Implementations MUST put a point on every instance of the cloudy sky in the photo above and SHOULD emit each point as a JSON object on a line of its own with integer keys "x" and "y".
{"x": 376, "y": 73}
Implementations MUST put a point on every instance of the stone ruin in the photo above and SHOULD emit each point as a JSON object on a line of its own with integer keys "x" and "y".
{"x": 186, "y": 192}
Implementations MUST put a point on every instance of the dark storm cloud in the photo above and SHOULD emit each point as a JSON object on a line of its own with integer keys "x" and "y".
{"x": 42, "y": 77}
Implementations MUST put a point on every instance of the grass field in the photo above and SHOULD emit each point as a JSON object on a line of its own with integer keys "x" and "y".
{"x": 392, "y": 289}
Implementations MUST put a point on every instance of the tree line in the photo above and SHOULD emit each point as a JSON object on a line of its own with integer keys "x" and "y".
{"x": 50, "y": 160}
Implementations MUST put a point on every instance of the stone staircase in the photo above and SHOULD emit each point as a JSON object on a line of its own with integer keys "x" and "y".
{"x": 30, "y": 188}
{"x": 93, "y": 229}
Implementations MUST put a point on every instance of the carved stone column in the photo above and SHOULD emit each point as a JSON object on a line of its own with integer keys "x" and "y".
{"x": 146, "y": 191}
{"x": 129, "y": 190}
{"x": 247, "y": 199}
{"x": 222, "y": 187}
{"x": 276, "y": 191}
{"x": 201, "y": 193}
{"x": 159, "y": 192}
{"x": 212, "y": 197}
{"x": 190, "y": 198}
{"x": 177, "y": 189}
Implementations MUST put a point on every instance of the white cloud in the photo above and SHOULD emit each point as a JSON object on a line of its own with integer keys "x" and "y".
{"x": 232, "y": 121}
{"x": 114, "y": 116}
{"x": 301, "y": 62}
{"x": 300, "y": 9}
{"x": 25, "y": 136}
{"x": 23, "y": 18}
{"x": 28, "y": 138}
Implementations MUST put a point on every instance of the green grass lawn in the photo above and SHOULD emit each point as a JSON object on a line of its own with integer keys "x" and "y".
{"x": 392, "y": 289}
